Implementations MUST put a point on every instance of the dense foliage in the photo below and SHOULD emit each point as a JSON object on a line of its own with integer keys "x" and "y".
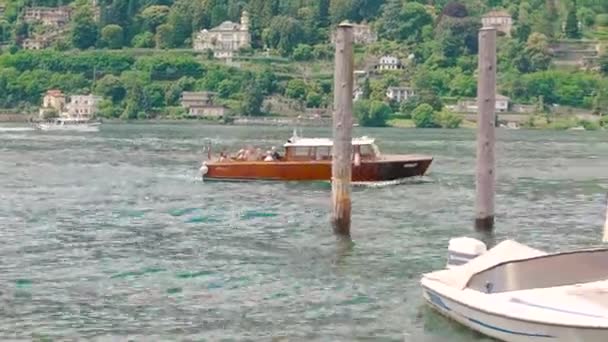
{"x": 436, "y": 41}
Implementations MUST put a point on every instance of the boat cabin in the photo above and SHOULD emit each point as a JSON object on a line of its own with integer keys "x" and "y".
{"x": 302, "y": 149}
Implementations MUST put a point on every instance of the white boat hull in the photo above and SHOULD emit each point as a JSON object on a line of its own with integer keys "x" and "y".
{"x": 508, "y": 329}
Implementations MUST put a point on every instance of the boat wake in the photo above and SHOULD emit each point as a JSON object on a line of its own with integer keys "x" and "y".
{"x": 16, "y": 129}
{"x": 382, "y": 184}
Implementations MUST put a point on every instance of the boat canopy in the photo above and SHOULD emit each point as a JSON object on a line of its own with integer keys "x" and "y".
{"x": 324, "y": 142}
{"x": 460, "y": 276}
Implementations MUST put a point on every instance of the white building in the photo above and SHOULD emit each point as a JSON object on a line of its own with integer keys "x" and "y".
{"x": 201, "y": 104}
{"x": 224, "y": 39}
{"x": 85, "y": 106}
{"x": 35, "y": 43}
{"x": 501, "y": 20}
{"x": 389, "y": 63}
{"x": 52, "y": 102}
{"x": 399, "y": 94}
{"x": 470, "y": 105}
{"x": 51, "y": 16}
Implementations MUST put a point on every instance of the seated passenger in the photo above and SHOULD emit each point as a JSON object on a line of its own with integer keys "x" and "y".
{"x": 268, "y": 156}
{"x": 240, "y": 155}
{"x": 275, "y": 153}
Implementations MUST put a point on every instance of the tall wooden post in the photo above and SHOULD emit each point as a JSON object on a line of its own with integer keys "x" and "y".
{"x": 605, "y": 239}
{"x": 486, "y": 104}
{"x": 342, "y": 131}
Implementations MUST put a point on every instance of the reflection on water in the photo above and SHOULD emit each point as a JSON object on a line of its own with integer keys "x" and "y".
{"x": 110, "y": 235}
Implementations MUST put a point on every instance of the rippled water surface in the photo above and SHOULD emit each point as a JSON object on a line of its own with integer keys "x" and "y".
{"x": 110, "y": 236}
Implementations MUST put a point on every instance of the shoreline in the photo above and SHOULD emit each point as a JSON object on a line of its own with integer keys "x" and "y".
{"x": 274, "y": 121}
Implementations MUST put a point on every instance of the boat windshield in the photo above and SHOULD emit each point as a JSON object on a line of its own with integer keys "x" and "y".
{"x": 543, "y": 271}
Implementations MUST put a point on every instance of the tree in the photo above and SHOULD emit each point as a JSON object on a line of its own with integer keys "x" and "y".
{"x": 403, "y": 22}
{"x": 447, "y": 119}
{"x": 84, "y": 29}
{"x": 143, "y": 40}
{"x": 283, "y": 34}
{"x": 457, "y": 36}
{"x": 313, "y": 100}
{"x": 423, "y": 116}
{"x": 603, "y": 62}
{"x": 111, "y": 87}
{"x": 463, "y": 85}
{"x": 252, "y": 101}
{"x": 372, "y": 113}
{"x": 571, "y": 28}
{"x": 545, "y": 22}
{"x": 366, "y": 90}
{"x": 226, "y": 88}
{"x": 302, "y": 52}
{"x": 112, "y": 36}
{"x": 455, "y": 10}
{"x": 164, "y": 36}
{"x": 155, "y": 15}
{"x": 296, "y": 89}
{"x": 186, "y": 16}
{"x": 341, "y": 10}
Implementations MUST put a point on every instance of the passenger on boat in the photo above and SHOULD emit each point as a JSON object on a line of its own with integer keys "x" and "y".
{"x": 268, "y": 156}
{"x": 257, "y": 155}
{"x": 275, "y": 154}
{"x": 240, "y": 155}
{"x": 223, "y": 157}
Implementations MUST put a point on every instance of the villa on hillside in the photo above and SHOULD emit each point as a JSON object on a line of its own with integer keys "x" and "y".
{"x": 35, "y": 43}
{"x": 84, "y": 106}
{"x": 225, "y": 39}
{"x": 53, "y": 102}
{"x": 469, "y": 105}
{"x": 500, "y": 19}
{"x": 399, "y": 94}
{"x": 363, "y": 34}
{"x": 51, "y": 16}
{"x": 389, "y": 63}
{"x": 201, "y": 104}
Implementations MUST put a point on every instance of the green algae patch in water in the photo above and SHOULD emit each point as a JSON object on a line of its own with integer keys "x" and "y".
{"x": 131, "y": 213}
{"x": 23, "y": 283}
{"x": 202, "y": 219}
{"x": 189, "y": 275}
{"x": 249, "y": 214}
{"x": 174, "y": 290}
{"x": 182, "y": 212}
{"x": 145, "y": 271}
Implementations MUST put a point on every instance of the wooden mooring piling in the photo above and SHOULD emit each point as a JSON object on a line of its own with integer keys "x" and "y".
{"x": 486, "y": 123}
{"x": 342, "y": 131}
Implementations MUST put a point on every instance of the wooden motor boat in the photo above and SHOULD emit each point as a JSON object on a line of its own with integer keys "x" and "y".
{"x": 310, "y": 159}
{"x": 515, "y": 293}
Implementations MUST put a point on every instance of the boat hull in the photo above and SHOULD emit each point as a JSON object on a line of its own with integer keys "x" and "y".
{"x": 508, "y": 329}
{"x": 387, "y": 169}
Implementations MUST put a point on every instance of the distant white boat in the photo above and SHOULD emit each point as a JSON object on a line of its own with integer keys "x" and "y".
{"x": 69, "y": 124}
{"x": 515, "y": 293}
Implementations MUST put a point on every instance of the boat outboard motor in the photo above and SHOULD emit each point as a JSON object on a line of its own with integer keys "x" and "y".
{"x": 461, "y": 250}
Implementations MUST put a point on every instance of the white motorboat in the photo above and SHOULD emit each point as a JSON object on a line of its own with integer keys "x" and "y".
{"x": 69, "y": 124}
{"x": 515, "y": 293}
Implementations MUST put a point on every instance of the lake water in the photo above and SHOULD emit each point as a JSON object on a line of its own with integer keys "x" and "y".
{"x": 109, "y": 236}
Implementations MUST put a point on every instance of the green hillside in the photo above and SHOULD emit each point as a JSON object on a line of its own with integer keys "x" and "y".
{"x": 143, "y": 55}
